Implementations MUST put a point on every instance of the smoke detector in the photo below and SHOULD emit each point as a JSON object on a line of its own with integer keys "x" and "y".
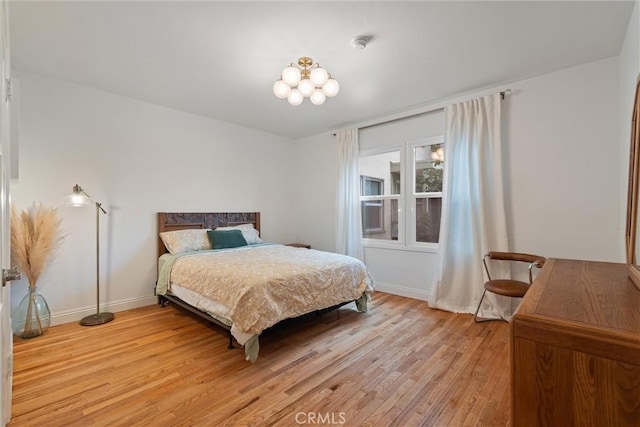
{"x": 360, "y": 42}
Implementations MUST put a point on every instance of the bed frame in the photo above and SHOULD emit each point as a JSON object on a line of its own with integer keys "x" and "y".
{"x": 172, "y": 221}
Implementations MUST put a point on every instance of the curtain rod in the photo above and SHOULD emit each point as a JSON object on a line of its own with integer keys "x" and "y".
{"x": 423, "y": 113}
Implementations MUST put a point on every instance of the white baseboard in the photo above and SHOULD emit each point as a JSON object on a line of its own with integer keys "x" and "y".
{"x": 402, "y": 291}
{"x": 76, "y": 314}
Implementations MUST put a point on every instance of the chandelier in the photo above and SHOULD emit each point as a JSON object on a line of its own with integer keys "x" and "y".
{"x": 437, "y": 154}
{"x": 305, "y": 79}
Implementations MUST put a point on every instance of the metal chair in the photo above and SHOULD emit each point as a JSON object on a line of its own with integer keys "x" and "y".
{"x": 508, "y": 287}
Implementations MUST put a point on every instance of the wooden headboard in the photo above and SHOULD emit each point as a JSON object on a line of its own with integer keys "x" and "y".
{"x": 171, "y": 221}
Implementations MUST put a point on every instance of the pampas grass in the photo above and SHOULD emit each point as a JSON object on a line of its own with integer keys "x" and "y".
{"x": 36, "y": 236}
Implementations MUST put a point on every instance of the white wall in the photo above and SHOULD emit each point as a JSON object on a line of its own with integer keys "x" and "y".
{"x": 138, "y": 159}
{"x": 562, "y": 162}
{"x": 629, "y": 64}
{"x": 315, "y": 170}
{"x": 396, "y": 133}
{"x": 561, "y": 170}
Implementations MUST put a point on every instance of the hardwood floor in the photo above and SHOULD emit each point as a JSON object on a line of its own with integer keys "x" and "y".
{"x": 399, "y": 364}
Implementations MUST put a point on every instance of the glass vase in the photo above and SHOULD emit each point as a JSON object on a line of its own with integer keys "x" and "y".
{"x": 32, "y": 316}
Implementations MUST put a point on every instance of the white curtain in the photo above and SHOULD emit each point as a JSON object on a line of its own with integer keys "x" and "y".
{"x": 349, "y": 226}
{"x": 473, "y": 216}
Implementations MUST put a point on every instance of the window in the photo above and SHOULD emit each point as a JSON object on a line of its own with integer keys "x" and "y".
{"x": 401, "y": 194}
{"x": 426, "y": 198}
{"x": 380, "y": 194}
{"x": 372, "y": 210}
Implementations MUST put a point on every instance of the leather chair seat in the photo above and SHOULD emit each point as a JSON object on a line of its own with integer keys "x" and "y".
{"x": 507, "y": 287}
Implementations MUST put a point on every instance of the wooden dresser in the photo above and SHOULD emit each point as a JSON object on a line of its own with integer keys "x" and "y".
{"x": 575, "y": 348}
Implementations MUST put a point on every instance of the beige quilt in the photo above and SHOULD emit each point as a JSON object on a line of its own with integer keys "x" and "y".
{"x": 256, "y": 287}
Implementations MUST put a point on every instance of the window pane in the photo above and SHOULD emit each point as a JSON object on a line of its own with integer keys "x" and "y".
{"x": 385, "y": 168}
{"x": 428, "y": 219}
{"x": 371, "y": 186}
{"x": 380, "y": 219}
{"x": 429, "y": 161}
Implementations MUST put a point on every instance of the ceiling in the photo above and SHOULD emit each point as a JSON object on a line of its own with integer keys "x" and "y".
{"x": 220, "y": 59}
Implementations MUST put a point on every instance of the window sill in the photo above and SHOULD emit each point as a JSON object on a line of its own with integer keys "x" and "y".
{"x": 389, "y": 245}
{"x": 375, "y": 231}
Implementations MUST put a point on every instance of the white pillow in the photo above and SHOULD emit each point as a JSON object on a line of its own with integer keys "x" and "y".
{"x": 249, "y": 233}
{"x": 180, "y": 241}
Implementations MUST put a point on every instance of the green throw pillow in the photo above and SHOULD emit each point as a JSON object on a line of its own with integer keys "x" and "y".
{"x": 226, "y": 239}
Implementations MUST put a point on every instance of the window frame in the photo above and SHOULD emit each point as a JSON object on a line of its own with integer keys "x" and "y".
{"x": 395, "y": 244}
{"x": 373, "y": 202}
{"x": 406, "y": 199}
{"x": 411, "y": 190}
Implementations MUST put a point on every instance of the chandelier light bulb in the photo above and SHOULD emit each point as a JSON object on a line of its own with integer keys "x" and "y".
{"x": 438, "y": 155}
{"x": 281, "y": 89}
{"x": 319, "y": 76}
{"x": 317, "y": 97}
{"x": 295, "y": 97}
{"x": 291, "y": 76}
{"x": 331, "y": 88}
{"x": 305, "y": 87}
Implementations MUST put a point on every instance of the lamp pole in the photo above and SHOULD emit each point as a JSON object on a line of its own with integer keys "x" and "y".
{"x": 97, "y": 318}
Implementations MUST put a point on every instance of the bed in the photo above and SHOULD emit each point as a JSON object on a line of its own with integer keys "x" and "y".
{"x": 216, "y": 266}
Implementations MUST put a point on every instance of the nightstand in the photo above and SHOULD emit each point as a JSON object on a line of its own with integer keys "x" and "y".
{"x": 299, "y": 245}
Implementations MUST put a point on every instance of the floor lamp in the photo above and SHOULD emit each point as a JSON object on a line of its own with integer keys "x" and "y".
{"x": 80, "y": 198}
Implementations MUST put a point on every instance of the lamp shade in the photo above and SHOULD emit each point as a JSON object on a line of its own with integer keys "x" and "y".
{"x": 331, "y": 88}
{"x": 291, "y": 76}
{"x": 295, "y": 97}
{"x": 306, "y": 87}
{"x": 77, "y": 198}
{"x": 317, "y": 97}
{"x": 281, "y": 89}
{"x": 319, "y": 76}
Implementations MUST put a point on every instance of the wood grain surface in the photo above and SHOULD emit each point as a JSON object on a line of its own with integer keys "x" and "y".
{"x": 576, "y": 347}
{"x": 401, "y": 363}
